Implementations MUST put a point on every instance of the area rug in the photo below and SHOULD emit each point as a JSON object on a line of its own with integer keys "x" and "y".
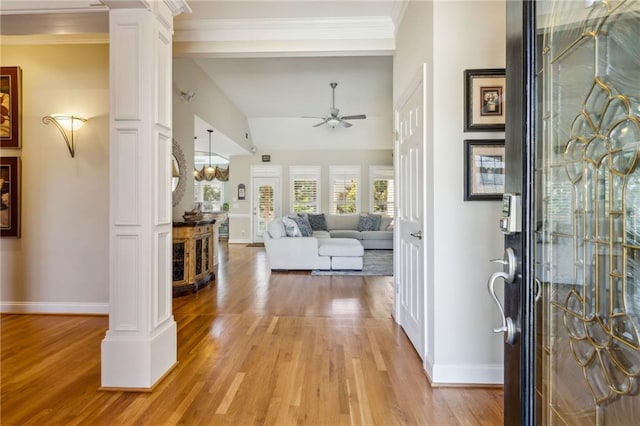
{"x": 376, "y": 262}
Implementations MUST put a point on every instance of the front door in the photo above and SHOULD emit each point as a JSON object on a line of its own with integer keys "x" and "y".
{"x": 266, "y": 204}
{"x": 410, "y": 219}
{"x": 576, "y": 359}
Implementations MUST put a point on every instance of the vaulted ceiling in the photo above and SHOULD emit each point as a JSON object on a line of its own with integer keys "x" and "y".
{"x": 273, "y": 59}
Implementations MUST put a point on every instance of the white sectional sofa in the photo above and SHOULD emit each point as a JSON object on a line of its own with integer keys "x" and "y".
{"x": 334, "y": 248}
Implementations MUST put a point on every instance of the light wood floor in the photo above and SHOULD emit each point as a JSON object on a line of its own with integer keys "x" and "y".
{"x": 254, "y": 348}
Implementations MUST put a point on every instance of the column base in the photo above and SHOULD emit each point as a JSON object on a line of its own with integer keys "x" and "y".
{"x": 132, "y": 363}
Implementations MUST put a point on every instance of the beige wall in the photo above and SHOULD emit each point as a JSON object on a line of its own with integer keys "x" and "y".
{"x": 240, "y": 211}
{"x": 61, "y": 261}
{"x": 212, "y": 106}
{"x": 462, "y": 236}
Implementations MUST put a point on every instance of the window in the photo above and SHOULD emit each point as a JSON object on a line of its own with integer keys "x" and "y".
{"x": 345, "y": 189}
{"x": 305, "y": 189}
{"x": 382, "y": 190}
{"x": 210, "y": 194}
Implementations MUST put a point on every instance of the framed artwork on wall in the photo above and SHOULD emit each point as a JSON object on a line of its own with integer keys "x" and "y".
{"x": 10, "y": 107}
{"x": 484, "y": 97}
{"x": 10, "y": 197}
{"x": 484, "y": 169}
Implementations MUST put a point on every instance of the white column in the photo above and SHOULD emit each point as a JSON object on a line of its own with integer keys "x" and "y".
{"x": 140, "y": 345}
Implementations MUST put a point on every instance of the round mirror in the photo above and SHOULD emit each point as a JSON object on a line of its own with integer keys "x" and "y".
{"x": 175, "y": 173}
{"x": 178, "y": 173}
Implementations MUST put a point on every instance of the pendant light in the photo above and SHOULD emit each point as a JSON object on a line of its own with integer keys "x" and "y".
{"x": 209, "y": 172}
{"x": 196, "y": 173}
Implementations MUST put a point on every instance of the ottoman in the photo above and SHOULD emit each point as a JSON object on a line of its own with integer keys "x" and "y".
{"x": 345, "y": 253}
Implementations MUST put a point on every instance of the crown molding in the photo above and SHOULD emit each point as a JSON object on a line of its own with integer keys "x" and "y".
{"x": 213, "y": 30}
{"x": 53, "y": 39}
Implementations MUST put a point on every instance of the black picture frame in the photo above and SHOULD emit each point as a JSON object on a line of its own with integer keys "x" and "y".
{"x": 484, "y": 169}
{"x": 10, "y": 197}
{"x": 484, "y": 97}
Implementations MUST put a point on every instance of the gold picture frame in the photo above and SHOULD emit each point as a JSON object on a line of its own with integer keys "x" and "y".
{"x": 10, "y": 107}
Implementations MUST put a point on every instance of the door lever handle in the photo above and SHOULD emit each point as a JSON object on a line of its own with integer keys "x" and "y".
{"x": 417, "y": 235}
{"x": 508, "y": 325}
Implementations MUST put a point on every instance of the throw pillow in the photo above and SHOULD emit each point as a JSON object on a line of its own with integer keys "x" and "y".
{"x": 378, "y": 219}
{"x": 367, "y": 223}
{"x": 318, "y": 222}
{"x": 385, "y": 222}
{"x": 303, "y": 225}
{"x": 291, "y": 227}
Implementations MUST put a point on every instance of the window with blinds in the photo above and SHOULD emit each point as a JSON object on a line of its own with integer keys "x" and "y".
{"x": 382, "y": 190}
{"x": 345, "y": 189}
{"x": 305, "y": 188}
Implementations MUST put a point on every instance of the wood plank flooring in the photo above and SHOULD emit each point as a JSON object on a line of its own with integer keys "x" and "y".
{"x": 254, "y": 348}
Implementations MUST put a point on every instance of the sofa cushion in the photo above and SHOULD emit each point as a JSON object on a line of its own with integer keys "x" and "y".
{"x": 385, "y": 221}
{"x": 275, "y": 228}
{"x": 303, "y": 225}
{"x": 340, "y": 247}
{"x": 291, "y": 227}
{"x": 318, "y": 222}
{"x": 321, "y": 234}
{"x": 377, "y": 235}
{"x": 342, "y": 221}
{"x": 369, "y": 222}
{"x": 346, "y": 233}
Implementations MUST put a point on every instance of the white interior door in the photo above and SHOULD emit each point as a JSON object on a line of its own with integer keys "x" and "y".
{"x": 266, "y": 204}
{"x": 410, "y": 219}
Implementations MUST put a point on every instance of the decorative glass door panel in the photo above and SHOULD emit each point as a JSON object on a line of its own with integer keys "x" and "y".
{"x": 588, "y": 212}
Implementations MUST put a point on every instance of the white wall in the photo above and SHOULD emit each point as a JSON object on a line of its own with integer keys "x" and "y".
{"x": 240, "y": 211}
{"x": 61, "y": 261}
{"x": 451, "y": 37}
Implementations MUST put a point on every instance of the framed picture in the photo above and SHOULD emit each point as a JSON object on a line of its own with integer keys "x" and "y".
{"x": 10, "y": 109}
{"x": 483, "y": 169}
{"x": 10, "y": 199}
{"x": 484, "y": 94}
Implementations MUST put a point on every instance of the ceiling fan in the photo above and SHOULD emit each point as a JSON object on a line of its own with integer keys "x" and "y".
{"x": 334, "y": 119}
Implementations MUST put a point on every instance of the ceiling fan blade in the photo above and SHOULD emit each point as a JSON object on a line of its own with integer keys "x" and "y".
{"x": 321, "y": 123}
{"x": 345, "y": 124}
{"x": 354, "y": 117}
{"x": 307, "y": 116}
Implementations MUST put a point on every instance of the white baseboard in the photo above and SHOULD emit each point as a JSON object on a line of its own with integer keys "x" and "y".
{"x": 54, "y": 308}
{"x": 456, "y": 374}
{"x": 239, "y": 241}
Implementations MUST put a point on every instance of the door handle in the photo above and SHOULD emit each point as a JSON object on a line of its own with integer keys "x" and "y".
{"x": 417, "y": 235}
{"x": 508, "y": 325}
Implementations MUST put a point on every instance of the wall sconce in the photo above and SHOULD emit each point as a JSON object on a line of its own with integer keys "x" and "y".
{"x": 66, "y": 123}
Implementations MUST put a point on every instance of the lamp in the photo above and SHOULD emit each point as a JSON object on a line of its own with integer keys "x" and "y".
{"x": 208, "y": 172}
{"x": 333, "y": 122}
{"x": 66, "y": 123}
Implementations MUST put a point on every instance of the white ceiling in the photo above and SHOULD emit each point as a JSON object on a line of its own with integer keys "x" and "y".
{"x": 273, "y": 59}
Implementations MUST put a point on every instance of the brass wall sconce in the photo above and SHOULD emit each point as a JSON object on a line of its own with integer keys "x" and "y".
{"x": 66, "y": 124}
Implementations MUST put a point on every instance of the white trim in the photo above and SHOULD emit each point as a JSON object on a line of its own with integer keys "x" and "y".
{"x": 77, "y": 308}
{"x": 239, "y": 241}
{"x": 466, "y": 374}
{"x": 349, "y": 28}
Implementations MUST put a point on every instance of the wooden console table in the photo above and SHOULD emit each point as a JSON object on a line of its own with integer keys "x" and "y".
{"x": 193, "y": 255}
{"x": 195, "y": 252}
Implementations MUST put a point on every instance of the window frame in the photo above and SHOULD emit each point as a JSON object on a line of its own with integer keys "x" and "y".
{"x": 381, "y": 173}
{"x": 305, "y": 173}
{"x": 344, "y": 173}
{"x": 199, "y": 193}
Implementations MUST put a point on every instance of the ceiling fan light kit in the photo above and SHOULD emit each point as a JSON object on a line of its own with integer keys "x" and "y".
{"x": 334, "y": 118}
